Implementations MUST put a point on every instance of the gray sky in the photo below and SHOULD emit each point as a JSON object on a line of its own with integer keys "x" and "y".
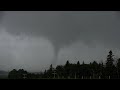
{"x": 35, "y": 39}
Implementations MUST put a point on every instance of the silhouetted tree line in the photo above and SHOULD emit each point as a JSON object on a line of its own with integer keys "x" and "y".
{"x": 94, "y": 70}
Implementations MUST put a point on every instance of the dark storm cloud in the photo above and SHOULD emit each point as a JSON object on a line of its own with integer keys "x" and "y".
{"x": 1, "y": 16}
{"x": 65, "y": 28}
{"x": 19, "y": 51}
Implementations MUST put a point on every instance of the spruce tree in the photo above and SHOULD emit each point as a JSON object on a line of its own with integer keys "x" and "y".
{"x": 110, "y": 65}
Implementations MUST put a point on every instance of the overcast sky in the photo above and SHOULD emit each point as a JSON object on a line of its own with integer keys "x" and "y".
{"x": 35, "y": 39}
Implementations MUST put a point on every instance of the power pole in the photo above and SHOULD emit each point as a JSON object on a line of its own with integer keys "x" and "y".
{"x": 99, "y": 77}
{"x": 118, "y": 72}
{"x": 58, "y": 77}
{"x": 24, "y": 76}
{"x": 90, "y": 77}
{"x": 75, "y": 75}
{"x": 54, "y": 73}
{"x": 82, "y": 77}
{"x": 93, "y": 74}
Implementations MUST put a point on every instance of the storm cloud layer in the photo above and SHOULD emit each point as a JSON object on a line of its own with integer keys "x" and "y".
{"x": 70, "y": 33}
{"x": 24, "y": 52}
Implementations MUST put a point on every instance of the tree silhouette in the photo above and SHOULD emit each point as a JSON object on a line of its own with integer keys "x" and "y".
{"x": 118, "y": 68}
{"x": 60, "y": 71}
{"x": 67, "y": 69}
{"x": 20, "y": 74}
{"x": 13, "y": 74}
{"x": 93, "y": 70}
{"x": 109, "y": 65}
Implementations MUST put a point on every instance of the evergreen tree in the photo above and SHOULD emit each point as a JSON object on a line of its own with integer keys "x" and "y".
{"x": 110, "y": 65}
{"x": 78, "y": 63}
{"x": 118, "y": 68}
{"x": 67, "y": 63}
{"x": 13, "y": 74}
{"x": 67, "y": 69}
{"x": 78, "y": 69}
{"x": 110, "y": 60}
{"x": 101, "y": 70}
{"x": 60, "y": 71}
{"x": 50, "y": 72}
